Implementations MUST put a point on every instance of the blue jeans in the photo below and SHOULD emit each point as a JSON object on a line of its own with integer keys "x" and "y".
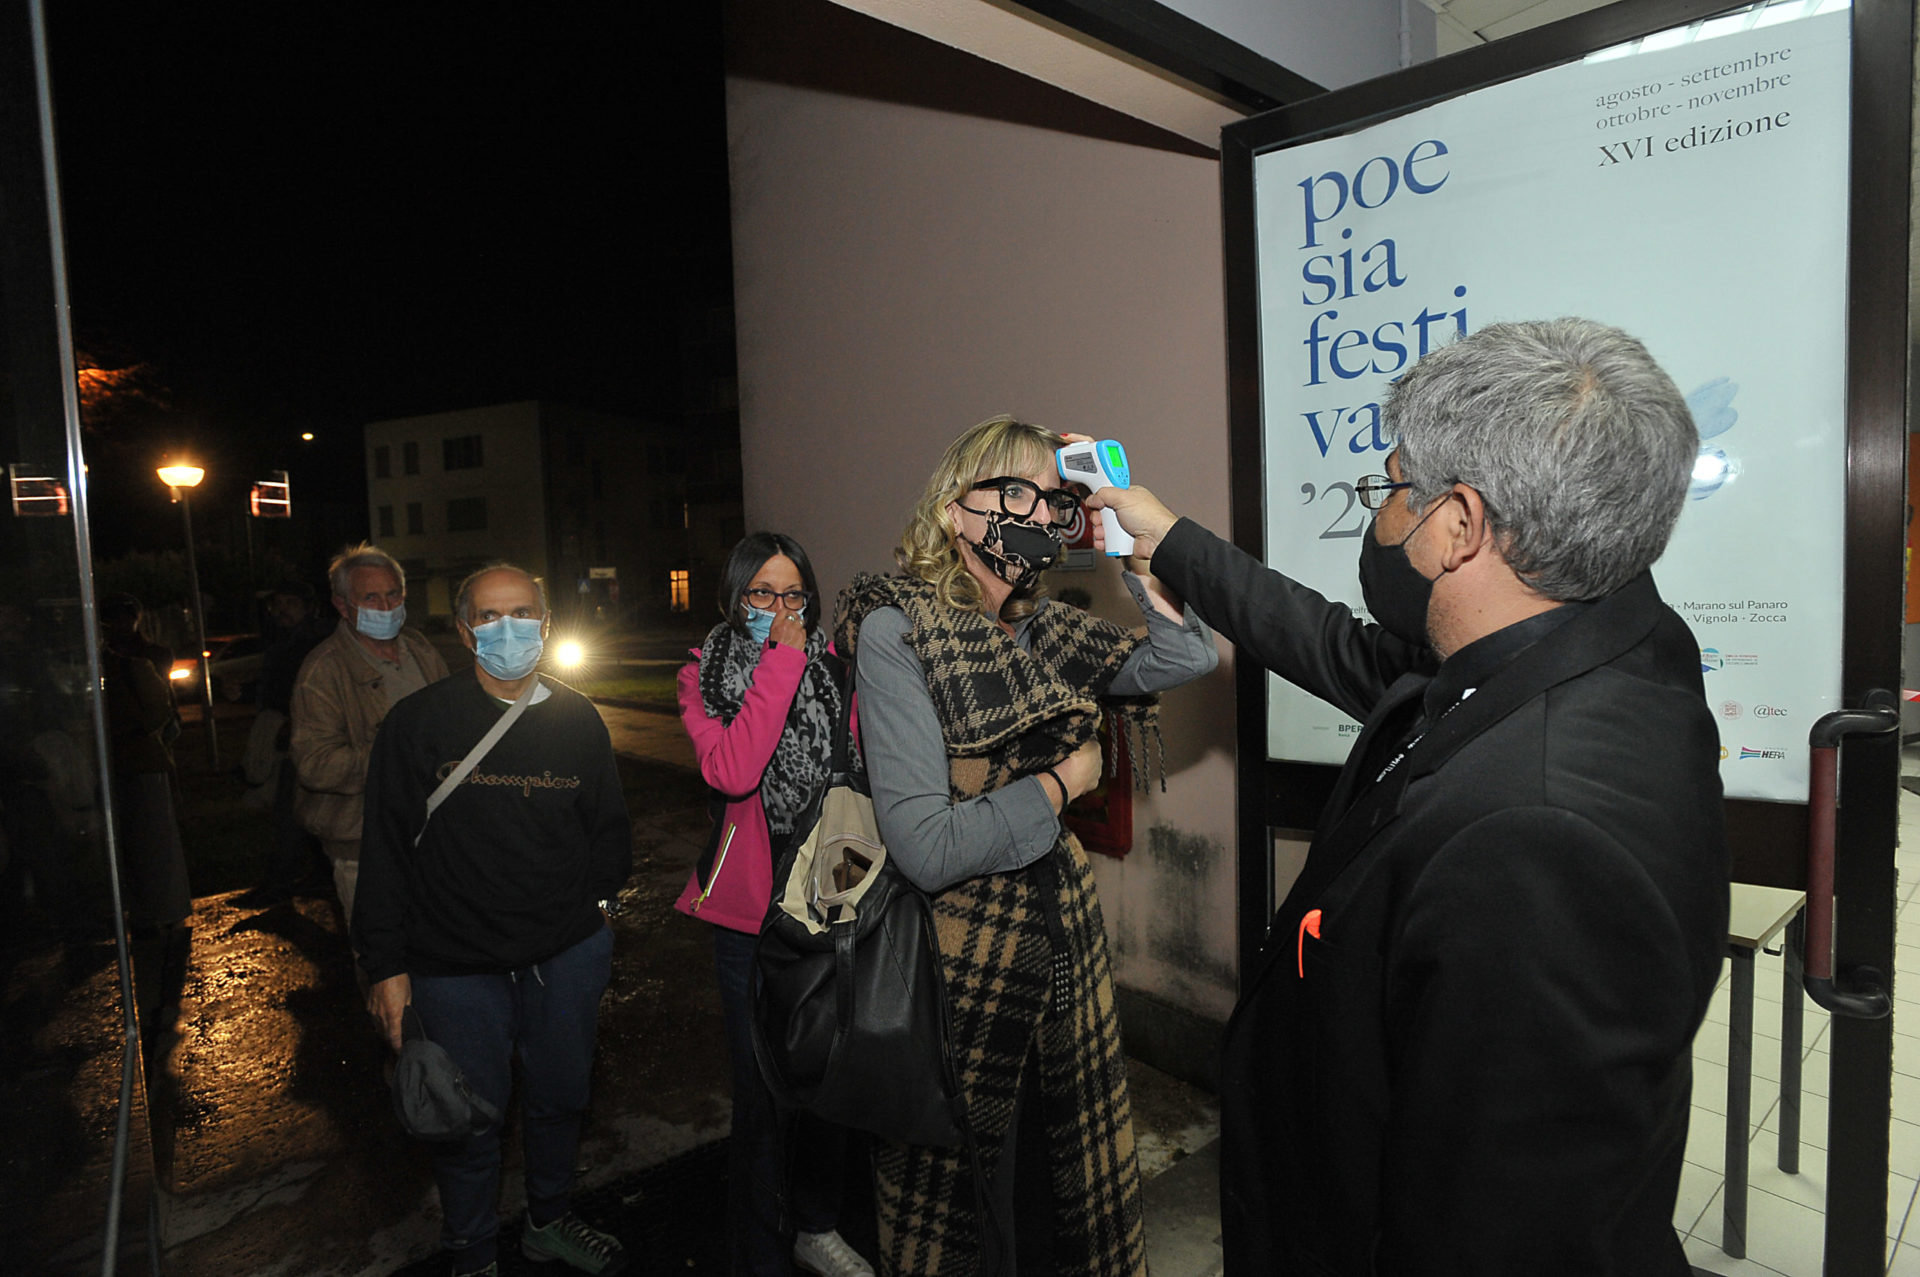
{"x": 545, "y": 1014}
{"x": 774, "y": 1158}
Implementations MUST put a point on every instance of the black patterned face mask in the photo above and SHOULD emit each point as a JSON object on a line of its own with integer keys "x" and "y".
{"x": 1015, "y": 550}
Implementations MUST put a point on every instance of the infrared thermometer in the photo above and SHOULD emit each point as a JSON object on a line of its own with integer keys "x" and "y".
{"x": 1098, "y": 465}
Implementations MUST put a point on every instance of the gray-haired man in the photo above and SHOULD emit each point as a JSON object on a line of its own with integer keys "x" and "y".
{"x": 1465, "y": 1046}
{"x": 342, "y": 695}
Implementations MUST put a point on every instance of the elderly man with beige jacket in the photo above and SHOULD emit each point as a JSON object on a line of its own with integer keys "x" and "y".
{"x": 343, "y": 692}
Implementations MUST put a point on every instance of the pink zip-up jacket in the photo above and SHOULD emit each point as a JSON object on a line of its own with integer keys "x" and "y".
{"x": 732, "y": 757}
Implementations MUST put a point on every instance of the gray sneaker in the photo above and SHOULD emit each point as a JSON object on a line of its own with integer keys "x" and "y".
{"x": 570, "y": 1241}
{"x": 828, "y": 1255}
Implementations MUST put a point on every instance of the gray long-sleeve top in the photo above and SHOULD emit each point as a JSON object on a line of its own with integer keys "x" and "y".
{"x": 938, "y": 842}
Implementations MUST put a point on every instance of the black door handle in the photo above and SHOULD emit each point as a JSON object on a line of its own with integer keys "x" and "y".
{"x": 1862, "y": 992}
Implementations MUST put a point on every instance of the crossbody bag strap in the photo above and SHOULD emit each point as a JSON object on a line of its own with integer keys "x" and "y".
{"x": 478, "y": 752}
{"x": 841, "y": 670}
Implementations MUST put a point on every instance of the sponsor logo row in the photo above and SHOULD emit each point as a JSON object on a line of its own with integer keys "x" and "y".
{"x": 1731, "y": 710}
{"x": 1712, "y": 659}
{"x": 1748, "y": 754}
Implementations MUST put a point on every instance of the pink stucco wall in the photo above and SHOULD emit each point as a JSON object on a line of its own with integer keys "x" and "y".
{"x": 902, "y": 271}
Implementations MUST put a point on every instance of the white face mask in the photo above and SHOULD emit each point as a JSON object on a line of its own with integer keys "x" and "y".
{"x": 377, "y": 625}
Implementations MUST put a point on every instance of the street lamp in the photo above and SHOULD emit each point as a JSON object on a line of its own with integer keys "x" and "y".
{"x": 181, "y": 480}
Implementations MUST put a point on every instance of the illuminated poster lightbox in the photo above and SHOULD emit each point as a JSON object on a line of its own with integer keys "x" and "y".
{"x": 1689, "y": 187}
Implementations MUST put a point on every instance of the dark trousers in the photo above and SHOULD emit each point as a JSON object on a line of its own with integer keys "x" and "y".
{"x": 153, "y": 863}
{"x": 773, "y": 1157}
{"x": 1020, "y": 1188}
{"x": 291, "y": 854}
{"x": 546, "y": 1015}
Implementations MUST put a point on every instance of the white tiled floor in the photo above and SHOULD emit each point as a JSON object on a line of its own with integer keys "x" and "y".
{"x": 1785, "y": 1213}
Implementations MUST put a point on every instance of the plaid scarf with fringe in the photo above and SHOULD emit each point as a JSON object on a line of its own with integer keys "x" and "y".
{"x": 1024, "y": 953}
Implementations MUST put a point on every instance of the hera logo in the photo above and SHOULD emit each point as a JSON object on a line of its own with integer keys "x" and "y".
{"x": 1746, "y": 753}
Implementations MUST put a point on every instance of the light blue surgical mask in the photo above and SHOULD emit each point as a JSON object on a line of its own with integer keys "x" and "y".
{"x": 759, "y": 623}
{"x": 378, "y": 625}
{"x": 508, "y": 648}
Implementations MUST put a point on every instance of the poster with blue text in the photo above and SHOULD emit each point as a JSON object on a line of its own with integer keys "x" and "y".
{"x": 1690, "y": 188}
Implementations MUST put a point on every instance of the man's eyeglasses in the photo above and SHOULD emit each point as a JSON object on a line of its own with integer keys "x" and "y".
{"x": 1374, "y": 490}
{"x": 792, "y": 600}
{"x": 1020, "y": 499}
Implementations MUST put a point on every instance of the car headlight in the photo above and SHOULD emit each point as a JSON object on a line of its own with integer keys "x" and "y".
{"x": 569, "y": 654}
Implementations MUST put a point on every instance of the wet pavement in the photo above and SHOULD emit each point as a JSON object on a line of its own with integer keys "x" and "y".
{"x": 277, "y": 1152}
{"x": 648, "y": 733}
{"x": 60, "y": 1072}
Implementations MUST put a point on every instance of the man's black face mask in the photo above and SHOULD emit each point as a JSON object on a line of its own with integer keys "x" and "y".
{"x": 1395, "y": 592}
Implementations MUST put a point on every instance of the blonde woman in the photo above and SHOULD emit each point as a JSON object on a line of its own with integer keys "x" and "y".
{"x": 979, "y": 701}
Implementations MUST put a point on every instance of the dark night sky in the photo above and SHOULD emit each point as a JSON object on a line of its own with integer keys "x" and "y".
{"x": 304, "y": 217}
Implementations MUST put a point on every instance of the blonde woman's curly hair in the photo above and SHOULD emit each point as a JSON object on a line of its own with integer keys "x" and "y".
{"x": 930, "y": 547}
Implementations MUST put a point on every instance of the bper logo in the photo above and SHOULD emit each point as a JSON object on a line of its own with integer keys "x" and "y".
{"x": 1746, "y": 753}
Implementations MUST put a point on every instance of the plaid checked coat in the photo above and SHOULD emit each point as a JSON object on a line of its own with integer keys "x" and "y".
{"x": 1024, "y": 953}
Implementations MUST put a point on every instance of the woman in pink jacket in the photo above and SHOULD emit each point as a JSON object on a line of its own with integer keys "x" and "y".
{"x": 760, "y": 701}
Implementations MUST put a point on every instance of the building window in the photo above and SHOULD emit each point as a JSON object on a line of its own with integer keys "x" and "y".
{"x": 385, "y": 513}
{"x": 679, "y": 593}
{"x": 416, "y": 519}
{"x": 461, "y": 453}
{"x": 410, "y": 458}
{"x": 467, "y": 514}
{"x": 383, "y": 462}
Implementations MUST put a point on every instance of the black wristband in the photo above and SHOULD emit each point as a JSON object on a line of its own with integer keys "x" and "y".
{"x": 1064, "y": 800}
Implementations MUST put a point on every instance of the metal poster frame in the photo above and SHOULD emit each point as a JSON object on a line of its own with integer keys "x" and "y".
{"x": 1768, "y": 839}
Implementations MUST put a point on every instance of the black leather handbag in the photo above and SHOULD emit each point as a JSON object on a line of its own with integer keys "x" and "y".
{"x": 850, "y": 1016}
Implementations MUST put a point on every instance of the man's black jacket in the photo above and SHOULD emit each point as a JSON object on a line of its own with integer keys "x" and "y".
{"x": 1481, "y": 1062}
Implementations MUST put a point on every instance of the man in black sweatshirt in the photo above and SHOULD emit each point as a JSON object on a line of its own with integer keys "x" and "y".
{"x": 486, "y": 914}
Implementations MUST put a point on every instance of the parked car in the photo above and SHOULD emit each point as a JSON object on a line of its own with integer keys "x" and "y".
{"x": 234, "y": 660}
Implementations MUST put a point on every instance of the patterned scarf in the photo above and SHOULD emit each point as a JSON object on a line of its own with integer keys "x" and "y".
{"x": 799, "y": 764}
{"x": 1024, "y": 954}
{"x": 1007, "y": 712}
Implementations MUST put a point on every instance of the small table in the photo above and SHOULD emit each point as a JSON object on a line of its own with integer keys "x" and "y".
{"x": 1757, "y": 914}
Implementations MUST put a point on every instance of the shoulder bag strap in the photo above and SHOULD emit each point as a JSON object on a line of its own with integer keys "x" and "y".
{"x": 478, "y": 752}
{"x": 841, "y": 671}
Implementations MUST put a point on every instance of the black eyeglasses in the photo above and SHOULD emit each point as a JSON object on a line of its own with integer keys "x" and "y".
{"x": 1374, "y": 490}
{"x": 1020, "y": 498}
{"x": 792, "y": 600}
